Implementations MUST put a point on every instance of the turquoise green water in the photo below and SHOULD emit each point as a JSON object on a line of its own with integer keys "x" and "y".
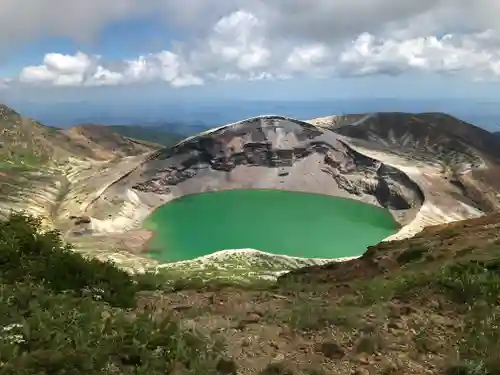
{"x": 274, "y": 221}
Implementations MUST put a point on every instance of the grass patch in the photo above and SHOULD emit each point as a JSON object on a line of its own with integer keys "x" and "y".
{"x": 49, "y": 333}
{"x": 65, "y": 314}
{"x": 175, "y": 281}
{"x": 449, "y": 233}
{"x": 307, "y": 314}
{"x": 463, "y": 283}
{"x": 29, "y": 254}
{"x": 412, "y": 254}
{"x": 477, "y": 350}
{"x": 370, "y": 343}
{"x": 474, "y": 289}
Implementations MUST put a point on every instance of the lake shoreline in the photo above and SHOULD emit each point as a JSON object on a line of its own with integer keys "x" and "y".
{"x": 317, "y": 218}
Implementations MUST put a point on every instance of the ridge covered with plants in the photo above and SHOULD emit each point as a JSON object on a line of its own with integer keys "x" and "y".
{"x": 429, "y": 304}
{"x": 61, "y": 313}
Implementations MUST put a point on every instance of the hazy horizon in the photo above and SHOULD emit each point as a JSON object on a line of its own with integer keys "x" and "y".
{"x": 208, "y": 114}
{"x": 213, "y": 61}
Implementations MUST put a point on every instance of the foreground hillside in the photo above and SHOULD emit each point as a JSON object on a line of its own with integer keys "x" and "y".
{"x": 427, "y": 305}
{"x": 63, "y": 314}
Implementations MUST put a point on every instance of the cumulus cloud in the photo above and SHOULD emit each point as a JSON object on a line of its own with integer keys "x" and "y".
{"x": 477, "y": 55}
{"x": 263, "y": 40}
{"x": 310, "y": 58}
{"x": 58, "y": 69}
{"x": 84, "y": 70}
{"x": 318, "y": 20}
{"x": 238, "y": 40}
{"x": 449, "y": 54}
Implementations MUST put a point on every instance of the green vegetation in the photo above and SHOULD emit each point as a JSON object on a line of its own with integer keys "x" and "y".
{"x": 148, "y": 134}
{"x": 464, "y": 296}
{"x": 63, "y": 314}
{"x": 20, "y": 140}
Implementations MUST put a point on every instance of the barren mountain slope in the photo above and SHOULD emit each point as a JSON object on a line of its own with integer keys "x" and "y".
{"x": 268, "y": 153}
{"x": 425, "y": 305}
{"x": 25, "y": 141}
{"x": 41, "y": 166}
{"x": 468, "y": 155}
{"x": 420, "y": 182}
{"x": 98, "y": 187}
{"x": 107, "y": 144}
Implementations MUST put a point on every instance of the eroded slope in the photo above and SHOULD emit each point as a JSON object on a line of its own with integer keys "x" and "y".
{"x": 98, "y": 187}
{"x": 418, "y": 182}
{"x": 425, "y": 305}
{"x": 455, "y": 163}
{"x": 42, "y": 167}
{"x": 107, "y": 144}
{"x": 262, "y": 153}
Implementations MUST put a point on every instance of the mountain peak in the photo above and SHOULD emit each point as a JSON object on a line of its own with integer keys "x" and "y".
{"x": 7, "y": 111}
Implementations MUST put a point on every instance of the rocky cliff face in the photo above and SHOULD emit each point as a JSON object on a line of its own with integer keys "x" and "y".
{"x": 469, "y": 156}
{"x": 397, "y": 162}
{"x": 274, "y": 152}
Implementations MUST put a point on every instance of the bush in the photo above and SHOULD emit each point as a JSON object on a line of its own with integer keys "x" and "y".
{"x": 54, "y": 319}
{"x": 46, "y": 333}
{"x": 29, "y": 254}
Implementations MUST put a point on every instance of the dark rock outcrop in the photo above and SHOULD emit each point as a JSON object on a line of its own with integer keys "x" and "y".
{"x": 275, "y": 152}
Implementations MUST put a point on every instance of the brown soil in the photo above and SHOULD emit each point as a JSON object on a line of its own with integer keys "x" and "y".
{"x": 104, "y": 143}
{"x": 339, "y": 318}
{"x": 138, "y": 240}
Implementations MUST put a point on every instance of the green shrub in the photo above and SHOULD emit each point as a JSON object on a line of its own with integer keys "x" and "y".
{"x": 29, "y": 254}
{"x": 60, "y": 314}
{"x": 471, "y": 282}
{"x": 412, "y": 254}
{"x": 46, "y": 333}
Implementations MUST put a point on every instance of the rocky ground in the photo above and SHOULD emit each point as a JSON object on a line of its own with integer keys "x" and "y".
{"x": 422, "y": 172}
{"x": 273, "y": 152}
{"x": 426, "y": 305}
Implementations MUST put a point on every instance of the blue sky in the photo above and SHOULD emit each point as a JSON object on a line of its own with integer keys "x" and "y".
{"x": 119, "y": 40}
{"x": 208, "y": 50}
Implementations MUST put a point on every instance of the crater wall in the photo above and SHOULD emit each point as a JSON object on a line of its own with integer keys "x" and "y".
{"x": 268, "y": 152}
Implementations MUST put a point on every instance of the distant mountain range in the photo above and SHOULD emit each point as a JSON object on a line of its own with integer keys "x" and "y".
{"x": 191, "y": 117}
{"x": 150, "y": 133}
{"x": 174, "y": 127}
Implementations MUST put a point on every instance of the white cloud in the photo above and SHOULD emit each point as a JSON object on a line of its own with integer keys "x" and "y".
{"x": 58, "y": 69}
{"x": 238, "y": 39}
{"x": 163, "y": 66}
{"x": 472, "y": 54}
{"x": 4, "y": 83}
{"x": 262, "y": 40}
{"x": 84, "y": 70}
{"x": 67, "y": 64}
{"x": 305, "y": 58}
{"x": 103, "y": 76}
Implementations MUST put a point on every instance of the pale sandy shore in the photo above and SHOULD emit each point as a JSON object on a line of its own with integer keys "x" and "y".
{"x": 222, "y": 254}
